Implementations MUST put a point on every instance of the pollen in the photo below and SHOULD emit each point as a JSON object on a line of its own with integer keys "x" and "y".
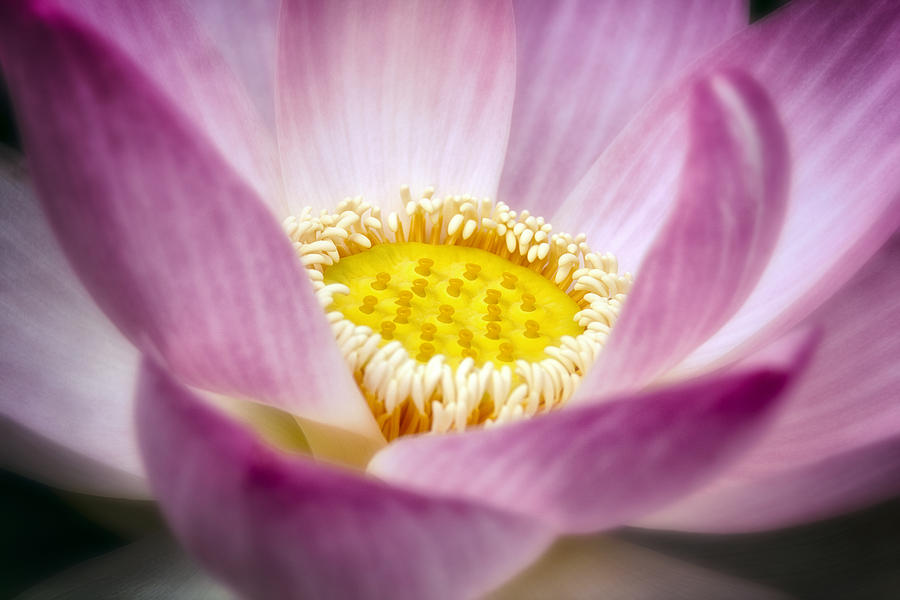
{"x": 460, "y": 312}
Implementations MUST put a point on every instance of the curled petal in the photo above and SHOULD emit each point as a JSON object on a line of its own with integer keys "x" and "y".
{"x": 716, "y": 240}
{"x": 296, "y": 529}
{"x": 833, "y": 71}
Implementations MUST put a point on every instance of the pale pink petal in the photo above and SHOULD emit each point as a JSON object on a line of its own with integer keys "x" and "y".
{"x": 375, "y": 96}
{"x": 67, "y": 376}
{"x": 596, "y": 466}
{"x": 173, "y": 247}
{"x": 585, "y": 568}
{"x": 824, "y": 487}
{"x": 183, "y": 59}
{"x": 245, "y": 34}
{"x": 849, "y": 395}
{"x": 623, "y": 200}
{"x": 833, "y": 71}
{"x": 584, "y": 69}
{"x": 273, "y": 525}
{"x": 836, "y": 442}
{"x": 716, "y": 241}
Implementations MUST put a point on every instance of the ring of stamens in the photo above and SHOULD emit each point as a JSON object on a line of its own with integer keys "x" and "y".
{"x": 473, "y": 314}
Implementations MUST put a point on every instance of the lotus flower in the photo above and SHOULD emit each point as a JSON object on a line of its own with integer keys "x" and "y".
{"x": 746, "y": 177}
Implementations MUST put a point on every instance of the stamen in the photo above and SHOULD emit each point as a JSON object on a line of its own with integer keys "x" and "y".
{"x": 461, "y": 312}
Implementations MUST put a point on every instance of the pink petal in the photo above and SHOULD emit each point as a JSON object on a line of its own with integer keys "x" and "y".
{"x": 587, "y": 567}
{"x": 173, "y": 247}
{"x": 716, "y": 241}
{"x": 245, "y": 35}
{"x": 372, "y": 97}
{"x": 824, "y": 487}
{"x": 178, "y": 53}
{"x": 836, "y": 443}
{"x": 274, "y": 525}
{"x": 596, "y": 466}
{"x": 833, "y": 70}
{"x": 584, "y": 70}
{"x": 67, "y": 376}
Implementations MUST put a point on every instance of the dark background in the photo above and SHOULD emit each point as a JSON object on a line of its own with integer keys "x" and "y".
{"x": 855, "y": 556}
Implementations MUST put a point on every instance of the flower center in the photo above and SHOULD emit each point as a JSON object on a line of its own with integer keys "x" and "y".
{"x": 442, "y": 300}
{"x": 462, "y": 312}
